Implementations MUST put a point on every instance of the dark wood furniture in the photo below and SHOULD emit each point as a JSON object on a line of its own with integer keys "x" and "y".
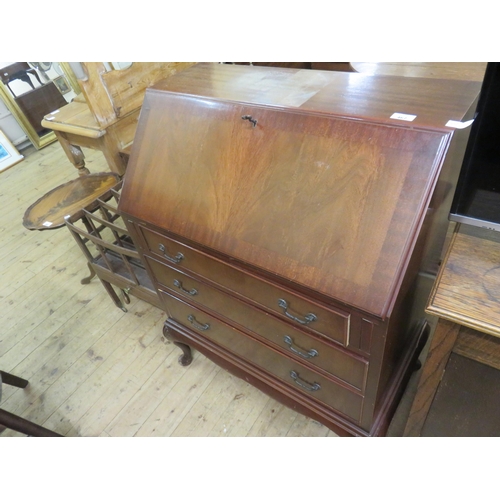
{"x": 99, "y": 231}
{"x": 327, "y": 66}
{"x": 457, "y": 393}
{"x": 18, "y": 71}
{"x": 87, "y": 206}
{"x": 11, "y": 421}
{"x": 284, "y": 215}
{"x": 38, "y": 102}
{"x": 473, "y": 71}
{"x": 49, "y": 211}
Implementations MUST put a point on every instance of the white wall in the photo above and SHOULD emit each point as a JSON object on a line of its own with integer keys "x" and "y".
{"x": 10, "y": 127}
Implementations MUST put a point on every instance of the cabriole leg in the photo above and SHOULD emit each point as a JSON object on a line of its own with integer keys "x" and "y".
{"x": 186, "y": 357}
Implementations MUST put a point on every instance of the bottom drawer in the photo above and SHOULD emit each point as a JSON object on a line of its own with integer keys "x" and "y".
{"x": 289, "y": 371}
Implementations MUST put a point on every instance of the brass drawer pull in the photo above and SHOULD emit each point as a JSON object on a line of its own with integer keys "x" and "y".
{"x": 306, "y": 355}
{"x": 178, "y": 284}
{"x": 197, "y": 325}
{"x": 175, "y": 259}
{"x": 308, "y": 318}
{"x": 302, "y": 383}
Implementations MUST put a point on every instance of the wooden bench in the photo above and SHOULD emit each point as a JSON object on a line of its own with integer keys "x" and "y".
{"x": 106, "y": 119}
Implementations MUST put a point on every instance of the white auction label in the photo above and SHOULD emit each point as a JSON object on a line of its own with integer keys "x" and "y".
{"x": 403, "y": 116}
{"x": 459, "y": 125}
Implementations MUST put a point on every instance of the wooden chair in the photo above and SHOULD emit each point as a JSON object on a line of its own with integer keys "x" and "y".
{"x": 106, "y": 119}
{"x": 110, "y": 251}
{"x": 10, "y": 421}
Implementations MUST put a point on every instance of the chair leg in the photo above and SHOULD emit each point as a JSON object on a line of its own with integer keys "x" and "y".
{"x": 9, "y": 379}
{"x": 18, "y": 424}
{"x": 14, "y": 422}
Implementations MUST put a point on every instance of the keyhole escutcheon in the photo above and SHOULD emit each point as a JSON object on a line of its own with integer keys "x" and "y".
{"x": 252, "y": 120}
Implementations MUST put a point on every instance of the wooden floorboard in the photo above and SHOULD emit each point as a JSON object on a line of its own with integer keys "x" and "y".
{"x": 93, "y": 369}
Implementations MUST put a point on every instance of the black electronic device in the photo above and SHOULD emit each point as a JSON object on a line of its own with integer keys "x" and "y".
{"x": 477, "y": 196}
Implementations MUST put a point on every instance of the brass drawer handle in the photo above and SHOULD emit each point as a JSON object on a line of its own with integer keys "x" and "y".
{"x": 308, "y": 318}
{"x": 175, "y": 259}
{"x": 178, "y": 284}
{"x": 196, "y": 324}
{"x": 306, "y": 355}
{"x": 302, "y": 383}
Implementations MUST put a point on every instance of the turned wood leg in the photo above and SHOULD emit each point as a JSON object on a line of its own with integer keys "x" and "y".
{"x": 186, "y": 357}
{"x": 442, "y": 343}
{"x": 73, "y": 152}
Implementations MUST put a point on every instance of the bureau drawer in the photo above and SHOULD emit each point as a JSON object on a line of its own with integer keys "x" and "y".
{"x": 295, "y": 309}
{"x": 289, "y": 371}
{"x": 343, "y": 365}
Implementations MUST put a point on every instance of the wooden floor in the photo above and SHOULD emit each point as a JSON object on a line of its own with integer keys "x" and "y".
{"x": 93, "y": 369}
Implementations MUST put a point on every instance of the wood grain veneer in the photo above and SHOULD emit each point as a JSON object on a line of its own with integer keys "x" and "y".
{"x": 469, "y": 282}
{"x": 465, "y": 299}
{"x": 304, "y": 181}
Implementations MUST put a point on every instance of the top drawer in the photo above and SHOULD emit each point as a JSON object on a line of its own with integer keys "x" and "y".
{"x": 330, "y": 322}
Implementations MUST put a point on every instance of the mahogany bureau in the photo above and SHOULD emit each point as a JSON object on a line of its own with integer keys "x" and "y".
{"x": 285, "y": 217}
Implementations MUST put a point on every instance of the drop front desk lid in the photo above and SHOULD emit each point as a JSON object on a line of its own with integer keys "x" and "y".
{"x": 305, "y": 174}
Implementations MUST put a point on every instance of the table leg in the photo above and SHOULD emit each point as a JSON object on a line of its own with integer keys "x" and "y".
{"x": 442, "y": 343}
{"x": 108, "y": 144}
{"x": 74, "y": 153}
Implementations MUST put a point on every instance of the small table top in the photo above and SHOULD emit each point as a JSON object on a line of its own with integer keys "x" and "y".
{"x": 49, "y": 211}
{"x": 467, "y": 288}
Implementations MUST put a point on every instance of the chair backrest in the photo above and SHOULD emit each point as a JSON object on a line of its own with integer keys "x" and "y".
{"x": 113, "y": 94}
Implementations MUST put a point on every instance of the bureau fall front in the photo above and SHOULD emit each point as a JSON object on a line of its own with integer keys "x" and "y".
{"x": 285, "y": 217}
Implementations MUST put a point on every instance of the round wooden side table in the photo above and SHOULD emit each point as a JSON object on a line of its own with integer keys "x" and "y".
{"x": 49, "y": 211}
